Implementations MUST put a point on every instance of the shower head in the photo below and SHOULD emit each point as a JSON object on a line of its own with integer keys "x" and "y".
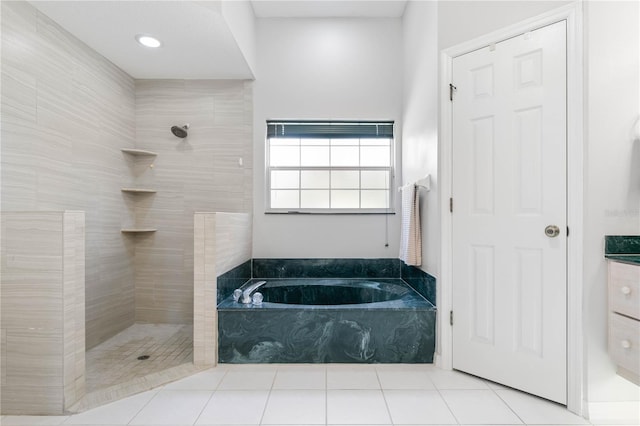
{"x": 180, "y": 132}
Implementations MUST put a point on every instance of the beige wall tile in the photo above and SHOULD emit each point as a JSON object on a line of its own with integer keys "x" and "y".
{"x": 34, "y": 358}
{"x": 32, "y": 400}
{"x": 3, "y": 357}
{"x": 199, "y": 173}
{"x": 74, "y": 308}
{"x": 32, "y": 299}
{"x": 31, "y": 248}
{"x": 31, "y": 243}
{"x": 233, "y": 240}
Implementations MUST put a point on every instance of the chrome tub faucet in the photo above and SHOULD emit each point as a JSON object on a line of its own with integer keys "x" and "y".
{"x": 246, "y": 294}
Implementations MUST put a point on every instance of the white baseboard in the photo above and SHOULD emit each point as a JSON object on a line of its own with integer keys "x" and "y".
{"x": 614, "y": 413}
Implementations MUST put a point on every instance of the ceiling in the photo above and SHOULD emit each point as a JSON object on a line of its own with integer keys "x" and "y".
{"x": 198, "y": 42}
{"x": 328, "y": 8}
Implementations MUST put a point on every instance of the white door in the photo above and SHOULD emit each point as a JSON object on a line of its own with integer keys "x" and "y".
{"x": 509, "y": 190}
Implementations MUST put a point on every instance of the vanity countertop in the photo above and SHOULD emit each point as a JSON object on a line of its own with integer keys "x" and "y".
{"x": 632, "y": 259}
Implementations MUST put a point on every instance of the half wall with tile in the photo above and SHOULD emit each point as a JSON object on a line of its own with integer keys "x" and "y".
{"x": 222, "y": 244}
{"x": 43, "y": 309}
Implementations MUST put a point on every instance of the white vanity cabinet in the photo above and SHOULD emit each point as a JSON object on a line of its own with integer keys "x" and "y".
{"x": 624, "y": 318}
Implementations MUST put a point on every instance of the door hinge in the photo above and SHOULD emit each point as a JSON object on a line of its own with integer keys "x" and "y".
{"x": 567, "y": 231}
{"x": 452, "y": 89}
{"x": 451, "y": 205}
{"x": 451, "y": 317}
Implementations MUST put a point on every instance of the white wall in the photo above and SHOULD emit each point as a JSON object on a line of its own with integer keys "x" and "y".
{"x": 612, "y": 178}
{"x": 325, "y": 69}
{"x": 420, "y": 120}
{"x": 460, "y": 21}
{"x": 429, "y": 27}
{"x": 241, "y": 21}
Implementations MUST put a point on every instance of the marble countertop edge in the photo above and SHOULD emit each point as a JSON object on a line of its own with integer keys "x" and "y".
{"x": 631, "y": 259}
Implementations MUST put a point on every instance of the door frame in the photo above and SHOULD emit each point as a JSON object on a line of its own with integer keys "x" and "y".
{"x": 572, "y": 14}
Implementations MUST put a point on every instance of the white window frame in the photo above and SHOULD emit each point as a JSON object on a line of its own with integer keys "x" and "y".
{"x": 391, "y": 196}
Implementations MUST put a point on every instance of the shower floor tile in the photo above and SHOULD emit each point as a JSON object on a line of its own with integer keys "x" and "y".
{"x": 115, "y": 361}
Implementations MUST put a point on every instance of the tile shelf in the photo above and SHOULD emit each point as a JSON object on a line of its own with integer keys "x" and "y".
{"x": 138, "y": 152}
{"x": 139, "y": 190}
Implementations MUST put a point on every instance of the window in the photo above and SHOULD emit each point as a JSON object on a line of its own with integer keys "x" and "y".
{"x": 329, "y": 167}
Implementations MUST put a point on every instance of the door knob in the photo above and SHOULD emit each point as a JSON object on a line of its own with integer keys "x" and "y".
{"x": 551, "y": 231}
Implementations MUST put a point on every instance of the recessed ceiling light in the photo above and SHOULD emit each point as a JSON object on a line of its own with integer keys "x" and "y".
{"x": 147, "y": 40}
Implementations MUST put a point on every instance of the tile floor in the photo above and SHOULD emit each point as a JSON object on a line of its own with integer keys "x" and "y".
{"x": 321, "y": 395}
{"x": 116, "y": 360}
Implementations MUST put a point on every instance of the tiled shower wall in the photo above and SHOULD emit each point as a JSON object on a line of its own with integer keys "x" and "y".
{"x": 66, "y": 112}
{"x": 210, "y": 171}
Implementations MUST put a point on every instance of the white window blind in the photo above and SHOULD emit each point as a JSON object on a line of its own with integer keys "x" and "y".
{"x": 329, "y": 167}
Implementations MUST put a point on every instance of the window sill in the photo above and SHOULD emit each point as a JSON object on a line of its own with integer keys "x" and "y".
{"x": 329, "y": 212}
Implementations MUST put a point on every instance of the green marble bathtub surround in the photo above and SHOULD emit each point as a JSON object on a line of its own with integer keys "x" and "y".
{"x": 326, "y": 268}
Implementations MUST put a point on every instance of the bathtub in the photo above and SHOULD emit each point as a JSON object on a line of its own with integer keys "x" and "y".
{"x": 328, "y": 321}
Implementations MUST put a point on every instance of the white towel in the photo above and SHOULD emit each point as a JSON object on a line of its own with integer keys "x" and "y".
{"x": 410, "y": 237}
